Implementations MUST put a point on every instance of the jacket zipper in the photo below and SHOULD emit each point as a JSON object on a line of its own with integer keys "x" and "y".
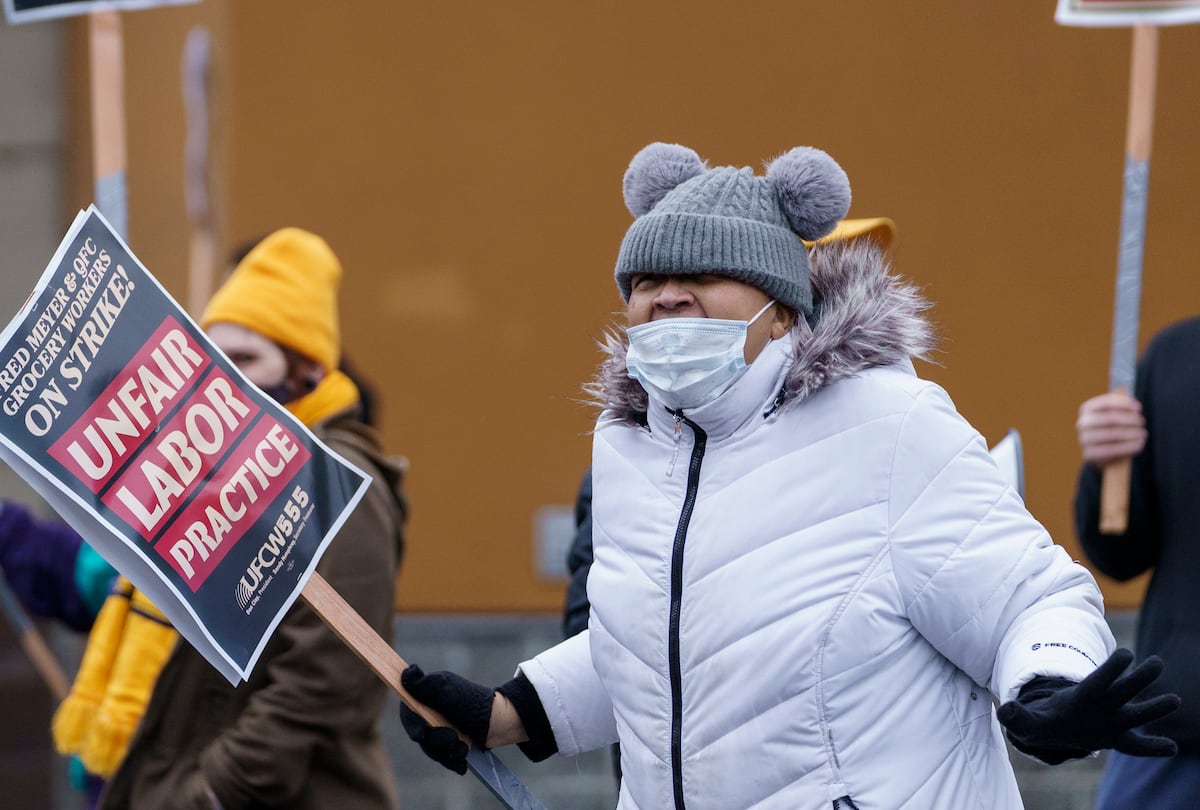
{"x": 675, "y": 449}
{"x": 685, "y": 517}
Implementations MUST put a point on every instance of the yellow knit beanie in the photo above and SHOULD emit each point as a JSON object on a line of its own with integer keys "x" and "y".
{"x": 286, "y": 290}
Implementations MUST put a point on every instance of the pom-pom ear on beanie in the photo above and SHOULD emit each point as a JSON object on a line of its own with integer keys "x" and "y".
{"x": 728, "y": 221}
{"x": 656, "y": 170}
{"x": 813, "y": 190}
{"x": 286, "y": 290}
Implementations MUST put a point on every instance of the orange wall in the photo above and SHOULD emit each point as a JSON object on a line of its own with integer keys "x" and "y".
{"x": 465, "y": 161}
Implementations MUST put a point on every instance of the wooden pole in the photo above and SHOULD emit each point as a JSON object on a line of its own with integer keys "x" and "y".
{"x": 385, "y": 662}
{"x": 1139, "y": 134}
{"x": 367, "y": 644}
{"x": 197, "y": 94}
{"x": 107, "y": 56}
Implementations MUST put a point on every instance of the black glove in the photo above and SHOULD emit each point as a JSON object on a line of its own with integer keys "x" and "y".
{"x": 1054, "y": 719}
{"x": 464, "y": 703}
{"x": 468, "y": 706}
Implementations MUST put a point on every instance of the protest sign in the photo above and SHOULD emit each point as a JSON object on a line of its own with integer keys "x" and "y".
{"x": 210, "y": 497}
{"x": 201, "y": 490}
{"x": 22, "y": 11}
{"x": 1124, "y": 13}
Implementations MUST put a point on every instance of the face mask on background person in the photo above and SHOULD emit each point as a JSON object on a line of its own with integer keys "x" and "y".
{"x": 262, "y": 361}
{"x": 688, "y": 362}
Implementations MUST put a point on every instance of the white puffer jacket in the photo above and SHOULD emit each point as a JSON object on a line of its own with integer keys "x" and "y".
{"x": 806, "y": 593}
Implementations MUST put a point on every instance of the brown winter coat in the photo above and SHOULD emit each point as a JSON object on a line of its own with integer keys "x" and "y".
{"x": 304, "y": 731}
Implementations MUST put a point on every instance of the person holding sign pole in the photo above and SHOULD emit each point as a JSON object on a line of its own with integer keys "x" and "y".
{"x": 809, "y": 578}
{"x": 148, "y": 714}
{"x": 1159, "y": 429}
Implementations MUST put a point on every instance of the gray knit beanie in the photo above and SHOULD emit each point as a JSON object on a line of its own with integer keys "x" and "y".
{"x": 727, "y": 221}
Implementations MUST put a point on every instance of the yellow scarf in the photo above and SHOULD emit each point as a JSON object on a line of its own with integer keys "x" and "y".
{"x": 126, "y": 649}
{"x": 131, "y": 641}
{"x": 336, "y": 392}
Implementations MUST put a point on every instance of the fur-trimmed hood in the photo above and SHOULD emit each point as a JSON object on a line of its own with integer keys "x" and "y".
{"x": 865, "y": 317}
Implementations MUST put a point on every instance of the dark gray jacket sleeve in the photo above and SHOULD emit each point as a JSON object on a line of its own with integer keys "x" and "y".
{"x": 579, "y": 562}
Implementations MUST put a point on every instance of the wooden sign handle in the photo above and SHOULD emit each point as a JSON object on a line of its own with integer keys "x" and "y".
{"x": 108, "y": 117}
{"x": 1143, "y": 70}
{"x": 197, "y": 81}
{"x": 1139, "y": 135}
{"x": 367, "y": 644}
{"x": 108, "y": 92}
{"x": 1114, "y": 497}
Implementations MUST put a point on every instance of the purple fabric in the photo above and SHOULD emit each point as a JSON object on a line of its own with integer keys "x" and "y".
{"x": 95, "y": 786}
{"x": 38, "y": 558}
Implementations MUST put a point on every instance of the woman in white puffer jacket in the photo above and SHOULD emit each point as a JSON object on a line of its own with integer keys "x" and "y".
{"x": 810, "y": 580}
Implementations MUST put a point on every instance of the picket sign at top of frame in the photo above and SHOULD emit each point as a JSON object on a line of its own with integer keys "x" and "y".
{"x": 1125, "y": 13}
{"x": 23, "y": 11}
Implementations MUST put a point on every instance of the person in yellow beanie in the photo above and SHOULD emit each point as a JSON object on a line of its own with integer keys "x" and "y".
{"x": 154, "y": 723}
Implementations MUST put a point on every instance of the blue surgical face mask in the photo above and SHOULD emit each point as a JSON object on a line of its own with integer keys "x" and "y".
{"x": 688, "y": 362}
